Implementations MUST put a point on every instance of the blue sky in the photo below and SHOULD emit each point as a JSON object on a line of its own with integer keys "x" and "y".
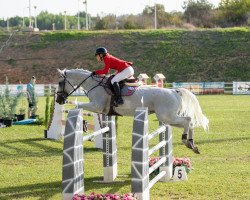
{"x": 11, "y": 8}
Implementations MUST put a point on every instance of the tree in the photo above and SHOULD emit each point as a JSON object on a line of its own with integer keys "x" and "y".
{"x": 16, "y": 21}
{"x": 107, "y": 22}
{"x": 99, "y": 23}
{"x": 45, "y": 21}
{"x": 198, "y": 13}
{"x": 175, "y": 18}
{"x": 130, "y": 22}
{"x": 3, "y": 23}
{"x": 162, "y": 17}
{"x": 233, "y": 13}
{"x": 82, "y": 18}
{"x": 8, "y": 102}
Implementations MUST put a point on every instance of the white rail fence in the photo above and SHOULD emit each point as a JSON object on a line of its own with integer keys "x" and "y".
{"x": 195, "y": 87}
{"x": 39, "y": 89}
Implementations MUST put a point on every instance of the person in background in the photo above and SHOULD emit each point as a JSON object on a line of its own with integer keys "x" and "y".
{"x": 19, "y": 87}
{"x": 123, "y": 69}
{"x": 31, "y": 97}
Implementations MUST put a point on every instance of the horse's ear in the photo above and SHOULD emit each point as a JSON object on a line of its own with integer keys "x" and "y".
{"x": 60, "y": 71}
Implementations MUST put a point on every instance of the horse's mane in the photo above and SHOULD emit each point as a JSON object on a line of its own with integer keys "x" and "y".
{"x": 81, "y": 70}
{"x": 76, "y": 70}
{"x": 87, "y": 71}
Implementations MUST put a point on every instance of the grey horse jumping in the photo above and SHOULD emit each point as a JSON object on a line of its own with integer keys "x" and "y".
{"x": 177, "y": 107}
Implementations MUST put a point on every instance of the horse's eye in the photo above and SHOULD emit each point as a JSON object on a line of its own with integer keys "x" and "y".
{"x": 61, "y": 84}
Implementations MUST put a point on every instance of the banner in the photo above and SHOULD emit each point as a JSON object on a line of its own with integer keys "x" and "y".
{"x": 196, "y": 88}
{"x": 241, "y": 87}
{"x": 213, "y": 87}
{"x": 202, "y": 87}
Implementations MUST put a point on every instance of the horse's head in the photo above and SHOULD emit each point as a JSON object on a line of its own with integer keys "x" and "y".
{"x": 64, "y": 87}
{"x": 69, "y": 82}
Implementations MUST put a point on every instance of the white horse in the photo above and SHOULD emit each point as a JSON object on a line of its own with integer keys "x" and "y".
{"x": 177, "y": 107}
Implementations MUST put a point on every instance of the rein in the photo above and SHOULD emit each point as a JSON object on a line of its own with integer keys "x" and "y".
{"x": 100, "y": 83}
{"x": 79, "y": 85}
{"x": 63, "y": 95}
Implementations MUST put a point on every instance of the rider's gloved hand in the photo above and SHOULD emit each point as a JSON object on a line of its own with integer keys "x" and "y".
{"x": 93, "y": 73}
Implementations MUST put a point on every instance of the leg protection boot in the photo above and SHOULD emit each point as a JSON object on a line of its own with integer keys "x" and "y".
{"x": 118, "y": 99}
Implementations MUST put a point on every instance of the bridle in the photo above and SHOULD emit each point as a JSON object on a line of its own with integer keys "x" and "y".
{"x": 64, "y": 95}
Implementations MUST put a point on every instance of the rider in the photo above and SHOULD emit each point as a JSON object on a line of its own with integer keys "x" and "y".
{"x": 124, "y": 70}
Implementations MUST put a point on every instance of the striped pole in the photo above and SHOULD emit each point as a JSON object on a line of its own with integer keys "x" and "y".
{"x": 109, "y": 149}
{"x": 140, "y": 156}
{"x": 140, "y": 170}
{"x": 72, "y": 172}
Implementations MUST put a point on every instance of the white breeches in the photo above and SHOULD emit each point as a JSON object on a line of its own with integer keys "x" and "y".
{"x": 126, "y": 73}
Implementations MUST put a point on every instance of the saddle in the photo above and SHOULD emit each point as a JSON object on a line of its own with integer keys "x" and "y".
{"x": 127, "y": 86}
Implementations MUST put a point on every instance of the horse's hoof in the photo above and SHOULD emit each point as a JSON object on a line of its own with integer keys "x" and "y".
{"x": 190, "y": 145}
{"x": 196, "y": 150}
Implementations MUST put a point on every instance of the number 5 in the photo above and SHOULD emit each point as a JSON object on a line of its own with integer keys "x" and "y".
{"x": 179, "y": 174}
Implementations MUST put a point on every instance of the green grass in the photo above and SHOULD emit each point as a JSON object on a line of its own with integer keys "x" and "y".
{"x": 31, "y": 166}
{"x": 181, "y": 55}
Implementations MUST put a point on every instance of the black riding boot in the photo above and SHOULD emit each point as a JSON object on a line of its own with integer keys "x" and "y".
{"x": 118, "y": 98}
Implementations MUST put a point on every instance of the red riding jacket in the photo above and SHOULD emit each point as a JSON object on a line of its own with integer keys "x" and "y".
{"x": 111, "y": 62}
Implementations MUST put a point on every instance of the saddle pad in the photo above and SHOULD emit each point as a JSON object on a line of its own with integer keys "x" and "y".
{"x": 128, "y": 90}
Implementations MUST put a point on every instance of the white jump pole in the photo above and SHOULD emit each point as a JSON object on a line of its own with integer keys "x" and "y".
{"x": 98, "y": 141}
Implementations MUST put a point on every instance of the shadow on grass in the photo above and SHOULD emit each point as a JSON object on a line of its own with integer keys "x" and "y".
{"x": 44, "y": 148}
{"x": 91, "y": 185}
{"x": 91, "y": 149}
{"x": 222, "y": 140}
{"x": 39, "y": 190}
{"x": 44, "y": 191}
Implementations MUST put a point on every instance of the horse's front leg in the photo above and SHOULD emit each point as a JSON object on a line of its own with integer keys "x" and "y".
{"x": 91, "y": 106}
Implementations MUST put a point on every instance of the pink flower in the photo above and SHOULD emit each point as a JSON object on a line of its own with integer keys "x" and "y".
{"x": 153, "y": 160}
{"x": 94, "y": 196}
{"x": 182, "y": 161}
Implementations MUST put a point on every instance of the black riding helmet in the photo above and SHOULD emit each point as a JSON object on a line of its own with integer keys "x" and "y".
{"x": 101, "y": 51}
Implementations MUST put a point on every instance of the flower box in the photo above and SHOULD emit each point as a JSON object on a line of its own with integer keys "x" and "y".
{"x": 94, "y": 196}
{"x": 185, "y": 162}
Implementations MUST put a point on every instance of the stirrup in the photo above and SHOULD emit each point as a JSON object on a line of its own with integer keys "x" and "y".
{"x": 119, "y": 101}
{"x": 115, "y": 104}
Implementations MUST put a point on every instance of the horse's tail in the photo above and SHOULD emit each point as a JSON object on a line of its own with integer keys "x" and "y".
{"x": 191, "y": 107}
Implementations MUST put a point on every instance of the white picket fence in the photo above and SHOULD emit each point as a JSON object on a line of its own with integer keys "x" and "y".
{"x": 39, "y": 89}
{"x": 196, "y": 88}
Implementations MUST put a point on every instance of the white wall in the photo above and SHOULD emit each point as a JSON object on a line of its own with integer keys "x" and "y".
{"x": 39, "y": 89}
